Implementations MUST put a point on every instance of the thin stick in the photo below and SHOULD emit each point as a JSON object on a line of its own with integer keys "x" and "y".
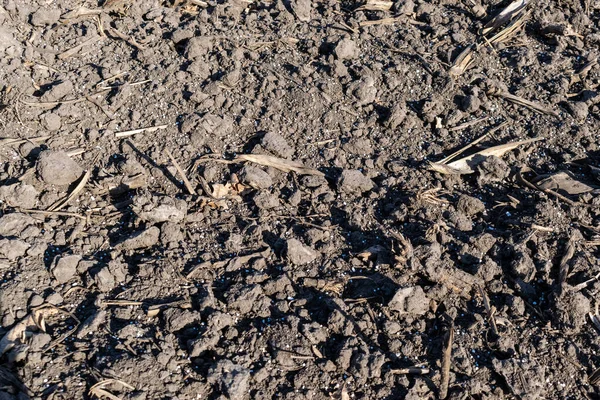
{"x": 550, "y": 192}
{"x": 122, "y": 303}
{"x": 186, "y": 182}
{"x": 49, "y": 213}
{"x": 488, "y": 310}
{"x": 74, "y": 50}
{"x": 525, "y": 103}
{"x": 564, "y": 262}
{"x": 446, "y": 360}
{"x": 410, "y": 371}
{"x": 9, "y": 141}
{"x": 468, "y": 124}
{"x": 112, "y": 78}
{"x": 131, "y": 84}
{"x": 61, "y": 203}
{"x": 131, "y": 41}
{"x": 462, "y": 150}
{"x": 140, "y": 130}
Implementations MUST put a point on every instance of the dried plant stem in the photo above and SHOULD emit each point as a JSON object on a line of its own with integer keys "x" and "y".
{"x": 186, "y": 182}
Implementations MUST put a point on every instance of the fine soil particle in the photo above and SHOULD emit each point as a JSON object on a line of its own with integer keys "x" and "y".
{"x": 235, "y": 200}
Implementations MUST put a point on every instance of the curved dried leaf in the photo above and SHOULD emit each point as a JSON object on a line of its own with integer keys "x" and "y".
{"x": 504, "y": 16}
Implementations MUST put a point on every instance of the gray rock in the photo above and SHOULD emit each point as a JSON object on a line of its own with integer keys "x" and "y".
{"x": 91, "y": 324}
{"x": 19, "y": 195}
{"x": 469, "y": 205}
{"x": 265, "y": 200}
{"x": 168, "y": 209}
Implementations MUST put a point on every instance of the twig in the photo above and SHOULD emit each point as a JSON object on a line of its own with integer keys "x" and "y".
{"x": 49, "y": 213}
{"x": 186, "y": 182}
{"x": 468, "y": 124}
{"x": 61, "y": 203}
{"x": 131, "y": 41}
{"x": 410, "y": 371}
{"x": 10, "y": 141}
{"x": 140, "y": 130}
{"x": 523, "y": 102}
{"x": 74, "y": 50}
{"x": 550, "y": 192}
{"x": 446, "y": 360}
{"x": 489, "y": 310}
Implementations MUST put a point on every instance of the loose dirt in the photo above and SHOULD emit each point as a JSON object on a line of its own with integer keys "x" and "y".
{"x": 252, "y": 199}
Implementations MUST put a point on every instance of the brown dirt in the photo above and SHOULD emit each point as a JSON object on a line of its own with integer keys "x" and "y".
{"x": 341, "y": 280}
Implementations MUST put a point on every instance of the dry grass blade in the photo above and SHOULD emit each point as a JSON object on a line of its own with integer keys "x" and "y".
{"x": 523, "y": 102}
{"x": 74, "y": 50}
{"x": 279, "y": 163}
{"x": 376, "y": 5}
{"x": 382, "y": 21}
{"x": 594, "y": 378}
{"x": 446, "y": 360}
{"x": 11, "y": 141}
{"x": 80, "y": 12}
{"x": 462, "y": 61}
{"x": 465, "y": 165}
{"x": 140, "y": 130}
{"x": 549, "y": 191}
{"x": 468, "y": 124}
{"x": 98, "y": 389}
{"x": 50, "y": 213}
{"x": 595, "y": 318}
{"x": 504, "y": 16}
{"x": 510, "y": 29}
{"x": 565, "y": 182}
{"x": 410, "y": 371}
{"x": 14, "y": 336}
{"x": 62, "y": 203}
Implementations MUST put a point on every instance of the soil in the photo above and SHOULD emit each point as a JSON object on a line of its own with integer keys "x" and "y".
{"x": 349, "y": 270}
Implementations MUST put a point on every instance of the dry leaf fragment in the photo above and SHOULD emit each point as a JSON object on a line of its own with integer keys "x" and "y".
{"x": 279, "y": 163}
{"x": 15, "y": 336}
{"x": 523, "y": 102}
{"x": 371, "y": 252}
{"x": 462, "y": 61}
{"x": 504, "y": 16}
{"x": 32, "y": 322}
{"x": 376, "y": 5}
{"x": 563, "y": 181}
{"x": 467, "y": 164}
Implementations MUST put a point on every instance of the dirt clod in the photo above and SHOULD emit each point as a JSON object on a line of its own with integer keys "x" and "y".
{"x": 354, "y": 181}
{"x": 65, "y": 268}
{"x": 57, "y": 168}
{"x": 298, "y": 253}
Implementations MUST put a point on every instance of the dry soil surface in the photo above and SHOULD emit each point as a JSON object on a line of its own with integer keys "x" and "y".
{"x": 235, "y": 199}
